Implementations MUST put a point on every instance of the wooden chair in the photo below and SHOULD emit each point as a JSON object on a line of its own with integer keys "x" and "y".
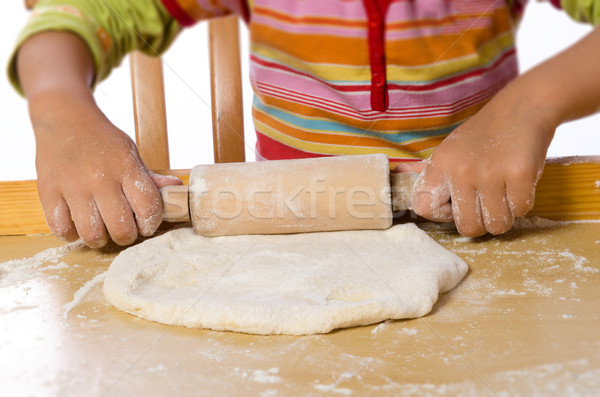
{"x": 568, "y": 190}
{"x": 20, "y": 209}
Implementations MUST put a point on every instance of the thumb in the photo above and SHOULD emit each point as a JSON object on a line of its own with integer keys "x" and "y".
{"x": 411, "y": 166}
{"x": 432, "y": 195}
{"x": 164, "y": 180}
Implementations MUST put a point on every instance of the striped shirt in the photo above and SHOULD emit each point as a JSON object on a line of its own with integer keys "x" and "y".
{"x": 339, "y": 77}
{"x": 330, "y": 77}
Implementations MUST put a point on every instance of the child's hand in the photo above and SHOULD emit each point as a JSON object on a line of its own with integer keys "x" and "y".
{"x": 484, "y": 173}
{"x": 91, "y": 180}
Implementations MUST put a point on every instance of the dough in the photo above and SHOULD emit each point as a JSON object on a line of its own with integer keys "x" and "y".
{"x": 283, "y": 284}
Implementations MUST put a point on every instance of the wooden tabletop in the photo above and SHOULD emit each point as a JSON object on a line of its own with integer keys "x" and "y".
{"x": 524, "y": 321}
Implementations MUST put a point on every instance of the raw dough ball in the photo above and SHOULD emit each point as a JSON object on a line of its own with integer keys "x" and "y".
{"x": 283, "y": 284}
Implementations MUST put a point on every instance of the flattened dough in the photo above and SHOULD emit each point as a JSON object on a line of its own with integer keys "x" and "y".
{"x": 283, "y": 284}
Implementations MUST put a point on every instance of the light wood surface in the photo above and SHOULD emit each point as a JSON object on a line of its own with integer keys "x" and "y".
{"x": 523, "y": 322}
{"x": 569, "y": 189}
{"x": 149, "y": 110}
{"x": 226, "y": 90}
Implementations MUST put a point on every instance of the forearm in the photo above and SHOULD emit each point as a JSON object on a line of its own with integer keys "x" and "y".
{"x": 109, "y": 28}
{"x": 563, "y": 88}
{"x": 91, "y": 181}
{"x": 56, "y": 71}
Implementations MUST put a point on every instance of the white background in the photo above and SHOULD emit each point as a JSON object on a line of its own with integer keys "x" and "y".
{"x": 543, "y": 32}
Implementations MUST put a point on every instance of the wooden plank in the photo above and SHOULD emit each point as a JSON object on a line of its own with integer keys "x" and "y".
{"x": 226, "y": 90}
{"x": 566, "y": 191}
{"x": 149, "y": 110}
{"x": 20, "y": 209}
{"x": 569, "y": 191}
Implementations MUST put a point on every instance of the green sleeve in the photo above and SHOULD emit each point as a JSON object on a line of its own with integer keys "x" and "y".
{"x": 110, "y": 28}
{"x": 583, "y": 10}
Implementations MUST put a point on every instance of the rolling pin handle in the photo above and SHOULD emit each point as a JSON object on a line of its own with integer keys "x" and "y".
{"x": 176, "y": 206}
{"x": 403, "y": 184}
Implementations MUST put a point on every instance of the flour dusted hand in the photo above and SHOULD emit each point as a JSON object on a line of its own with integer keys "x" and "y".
{"x": 91, "y": 181}
{"x": 484, "y": 174}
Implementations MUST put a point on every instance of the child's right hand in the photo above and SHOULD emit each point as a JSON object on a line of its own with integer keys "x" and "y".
{"x": 91, "y": 180}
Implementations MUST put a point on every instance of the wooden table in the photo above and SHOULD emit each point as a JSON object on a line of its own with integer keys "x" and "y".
{"x": 524, "y": 321}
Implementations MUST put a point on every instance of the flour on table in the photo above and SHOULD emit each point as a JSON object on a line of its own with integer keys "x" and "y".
{"x": 283, "y": 284}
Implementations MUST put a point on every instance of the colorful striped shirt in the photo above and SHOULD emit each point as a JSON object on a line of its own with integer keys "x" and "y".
{"x": 332, "y": 77}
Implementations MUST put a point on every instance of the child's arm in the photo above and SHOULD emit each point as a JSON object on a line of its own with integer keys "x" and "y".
{"x": 91, "y": 180}
{"x": 90, "y": 177}
{"x": 484, "y": 173}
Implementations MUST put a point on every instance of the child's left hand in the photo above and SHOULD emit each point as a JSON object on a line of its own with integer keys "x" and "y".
{"x": 484, "y": 173}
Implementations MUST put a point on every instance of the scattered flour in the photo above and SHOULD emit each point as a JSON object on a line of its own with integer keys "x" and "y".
{"x": 20, "y": 270}
{"x": 81, "y": 293}
{"x": 157, "y": 368}
{"x": 572, "y": 378}
{"x": 381, "y": 327}
{"x": 524, "y": 223}
{"x": 409, "y": 331}
{"x": 463, "y": 240}
{"x": 509, "y": 292}
{"x": 268, "y": 376}
{"x": 578, "y": 262}
{"x": 333, "y": 388}
{"x": 533, "y": 285}
{"x": 60, "y": 265}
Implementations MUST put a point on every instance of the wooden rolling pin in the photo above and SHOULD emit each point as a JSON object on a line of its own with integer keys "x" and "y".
{"x": 290, "y": 196}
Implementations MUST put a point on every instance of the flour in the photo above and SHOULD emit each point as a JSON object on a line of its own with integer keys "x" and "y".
{"x": 333, "y": 388}
{"x": 158, "y": 368}
{"x": 381, "y": 327}
{"x": 266, "y": 377}
{"x": 81, "y": 293}
{"x": 409, "y": 331}
{"x": 20, "y": 270}
{"x": 283, "y": 284}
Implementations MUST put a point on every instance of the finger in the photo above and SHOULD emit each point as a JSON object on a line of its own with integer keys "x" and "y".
{"x": 466, "y": 209}
{"x": 520, "y": 196}
{"x": 431, "y": 197}
{"x": 88, "y": 221}
{"x": 145, "y": 201}
{"x": 521, "y": 180}
{"x": 117, "y": 215}
{"x": 497, "y": 216}
{"x": 58, "y": 218}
